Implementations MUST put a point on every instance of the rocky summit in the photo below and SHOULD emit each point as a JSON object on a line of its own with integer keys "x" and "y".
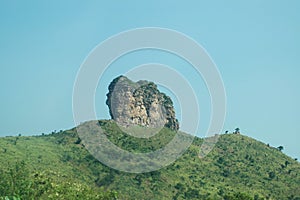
{"x": 140, "y": 103}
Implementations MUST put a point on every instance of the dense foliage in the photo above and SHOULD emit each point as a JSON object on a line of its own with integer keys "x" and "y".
{"x": 57, "y": 166}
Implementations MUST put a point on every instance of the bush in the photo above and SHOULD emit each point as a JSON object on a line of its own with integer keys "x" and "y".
{"x": 18, "y": 183}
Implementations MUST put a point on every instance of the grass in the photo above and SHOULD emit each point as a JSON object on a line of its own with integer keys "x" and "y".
{"x": 58, "y": 166}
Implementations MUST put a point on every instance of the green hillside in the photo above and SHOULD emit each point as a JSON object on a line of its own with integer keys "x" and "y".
{"x": 57, "y": 166}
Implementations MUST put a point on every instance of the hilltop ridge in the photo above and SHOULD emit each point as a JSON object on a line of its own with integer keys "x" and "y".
{"x": 239, "y": 167}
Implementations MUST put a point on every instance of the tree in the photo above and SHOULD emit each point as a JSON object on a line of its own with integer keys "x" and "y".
{"x": 286, "y": 163}
{"x": 272, "y": 175}
{"x": 237, "y": 131}
{"x": 280, "y": 148}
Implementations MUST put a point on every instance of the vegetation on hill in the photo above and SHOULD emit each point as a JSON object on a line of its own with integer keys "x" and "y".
{"x": 57, "y": 166}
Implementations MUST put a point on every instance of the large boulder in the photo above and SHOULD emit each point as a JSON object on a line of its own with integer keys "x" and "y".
{"x": 140, "y": 103}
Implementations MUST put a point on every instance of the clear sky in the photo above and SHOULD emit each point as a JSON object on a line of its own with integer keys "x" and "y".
{"x": 255, "y": 44}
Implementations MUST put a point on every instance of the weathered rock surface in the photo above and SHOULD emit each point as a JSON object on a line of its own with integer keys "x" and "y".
{"x": 140, "y": 103}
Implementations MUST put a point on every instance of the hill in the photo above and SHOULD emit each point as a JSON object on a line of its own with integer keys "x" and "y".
{"x": 58, "y": 166}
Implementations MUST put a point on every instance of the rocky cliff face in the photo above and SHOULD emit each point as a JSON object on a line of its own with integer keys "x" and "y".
{"x": 140, "y": 103}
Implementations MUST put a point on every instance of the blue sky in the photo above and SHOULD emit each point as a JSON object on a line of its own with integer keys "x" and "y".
{"x": 255, "y": 45}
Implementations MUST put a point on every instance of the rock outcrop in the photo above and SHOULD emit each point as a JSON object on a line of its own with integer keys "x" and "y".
{"x": 140, "y": 103}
